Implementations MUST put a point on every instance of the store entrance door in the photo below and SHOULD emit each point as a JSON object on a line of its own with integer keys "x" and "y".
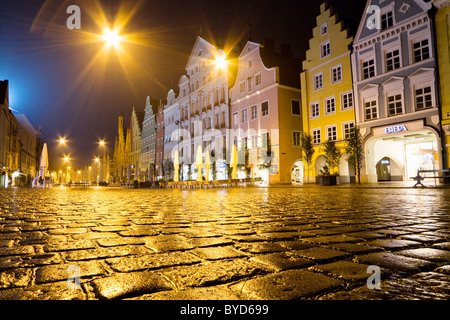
{"x": 384, "y": 169}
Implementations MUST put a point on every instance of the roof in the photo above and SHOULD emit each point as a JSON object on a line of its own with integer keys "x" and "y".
{"x": 3, "y": 91}
{"x": 25, "y": 123}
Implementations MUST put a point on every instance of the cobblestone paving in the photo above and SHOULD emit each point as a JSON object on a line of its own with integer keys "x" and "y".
{"x": 309, "y": 242}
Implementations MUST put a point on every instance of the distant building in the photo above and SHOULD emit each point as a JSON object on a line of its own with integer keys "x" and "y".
{"x": 28, "y": 158}
{"x": 119, "y": 158}
{"x": 159, "y": 147}
{"x": 327, "y": 92}
{"x": 4, "y": 133}
{"x": 266, "y": 113}
{"x": 148, "y": 142}
{"x": 136, "y": 119}
{"x": 396, "y": 90}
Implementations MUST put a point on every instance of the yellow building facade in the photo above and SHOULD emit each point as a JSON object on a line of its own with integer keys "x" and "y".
{"x": 327, "y": 96}
{"x": 442, "y": 23}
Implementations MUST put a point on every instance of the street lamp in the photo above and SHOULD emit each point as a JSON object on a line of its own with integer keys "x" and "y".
{"x": 111, "y": 37}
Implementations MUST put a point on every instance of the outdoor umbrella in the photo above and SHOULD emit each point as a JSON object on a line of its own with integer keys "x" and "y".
{"x": 199, "y": 162}
{"x": 176, "y": 164}
{"x": 233, "y": 163}
{"x": 44, "y": 162}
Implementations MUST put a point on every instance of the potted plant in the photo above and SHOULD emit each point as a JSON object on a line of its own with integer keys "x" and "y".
{"x": 308, "y": 151}
{"x": 330, "y": 171}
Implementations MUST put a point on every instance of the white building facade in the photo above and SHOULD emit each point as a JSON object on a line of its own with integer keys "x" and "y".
{"x": 396, "y": 94}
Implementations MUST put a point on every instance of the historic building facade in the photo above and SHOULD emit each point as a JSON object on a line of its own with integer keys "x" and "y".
{"x": 266, "y": 114}
{"x": 136, "y": 119}
{"x": 327, "y": 91}
{"x": 119, "y": 157}
{"x": 396, "y": 90}
{"x": 204, "y": 109}
{"x": 159, "y": 146}
{"x": 442, "y": 26}
{"x": 148, "y": 142}
{"x": 171, "y": 126}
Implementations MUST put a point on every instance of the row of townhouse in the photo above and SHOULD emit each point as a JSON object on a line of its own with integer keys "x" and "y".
{"x": 20, "y": 145}
{"x": 389, "y": 78}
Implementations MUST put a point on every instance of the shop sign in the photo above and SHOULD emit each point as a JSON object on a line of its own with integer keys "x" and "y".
{"x": 395, "y": 129}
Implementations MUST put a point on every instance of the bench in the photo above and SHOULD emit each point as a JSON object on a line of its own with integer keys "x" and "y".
{"x": 420, "y": 178}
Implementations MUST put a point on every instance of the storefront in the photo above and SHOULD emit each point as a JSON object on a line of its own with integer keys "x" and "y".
{"x": 395, "y": 152}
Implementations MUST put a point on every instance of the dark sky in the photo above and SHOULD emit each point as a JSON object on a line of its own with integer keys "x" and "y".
{"x": 60, "y": 81}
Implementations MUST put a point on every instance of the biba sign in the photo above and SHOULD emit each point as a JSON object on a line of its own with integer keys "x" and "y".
{"x": 395, "y": 129}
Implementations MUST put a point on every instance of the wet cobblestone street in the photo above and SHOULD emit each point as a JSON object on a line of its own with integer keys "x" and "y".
{"x": 238, "y": 243}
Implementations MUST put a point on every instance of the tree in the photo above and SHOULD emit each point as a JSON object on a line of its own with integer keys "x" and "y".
{"x": 308, "y": 149}
{"x": 168, "y": 168}
{"x": 355, "y": 151}
{"x": 332, "y": 156}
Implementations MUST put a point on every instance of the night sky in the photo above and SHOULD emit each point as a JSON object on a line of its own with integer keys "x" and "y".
{"x": 62, "y": 80}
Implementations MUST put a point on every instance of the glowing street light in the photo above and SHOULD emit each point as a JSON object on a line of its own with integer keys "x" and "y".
{"x": 102, "y": 143}
{"x": 66, "y": 159}
{"x": 62, "y": 141}
{"x": 111, "y": 37}
{"x": 221, "y": 59}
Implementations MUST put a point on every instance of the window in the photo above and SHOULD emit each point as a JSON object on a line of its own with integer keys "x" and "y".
{"x": 394, "y": 105}
{"x": 242, "y": 87}
{"x": 370, "y": 108}
{"x": 258, "y": 79}
{"x": 265, "y": 108}
{"x": 325, "y": 49}
{"x": 330, "y": 105}
{"x": 244, "y": 115}
{"x": 323, "y": 29}
{"x": 250, "y": 64}
{"x": 249, "y": 84}
{"x": 295, "y": 107}
{"x": 347, "y": 128}
{"x": 387, "y": 20}
{"x": 316, "y": 135}
{"x": 392, "y": 60}
{"x": 318, "y": 81}
{"x": 296, "y": 135}
{"x": 336, "y": 74}
{"x": 424, "y": 98}
{"x": 332, "y": 133}
{"x": 347, "y": 100}
{"x": 368, "y": 69}
{"x": 254, "y": 111}
{"x": 254, "y": 142}
{"x": 421, "y": 50}
{"x": 315, "y": 110}
{"x": 235, "y": 118}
